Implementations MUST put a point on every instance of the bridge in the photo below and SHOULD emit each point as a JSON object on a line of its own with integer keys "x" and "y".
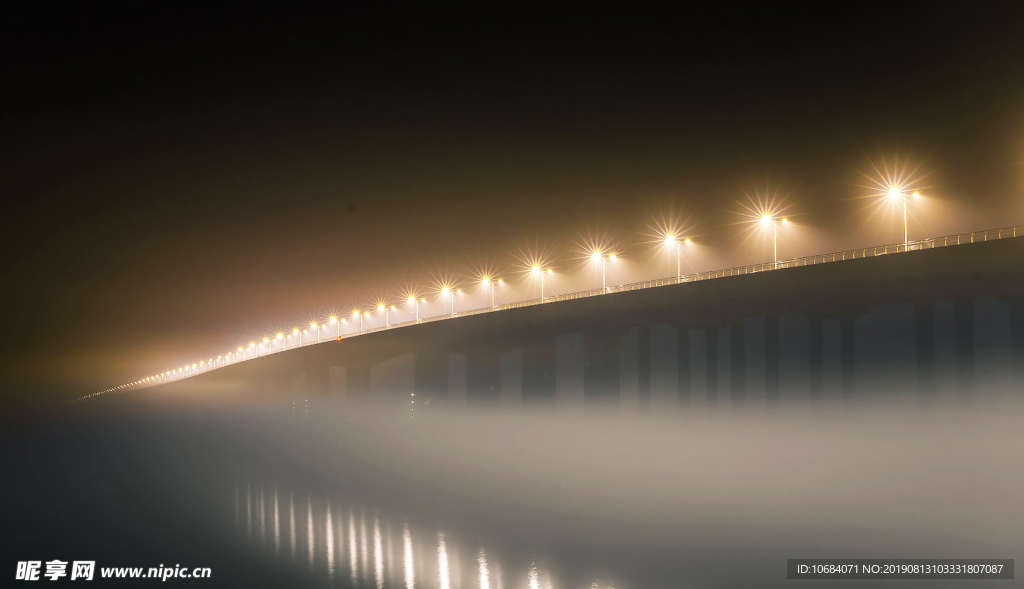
{"x": 939, "y": 316}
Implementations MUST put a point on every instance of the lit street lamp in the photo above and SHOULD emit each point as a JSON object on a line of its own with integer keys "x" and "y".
{"x": 538, "y": 271}
{"x": 316, "y": 326}
{"x": 599, "y": 256}
{"x": 672, "y": 240}
{"x": 387, "y": 313}
{"x": 449, "y": 293}
{"x": 488, "y": 281}
{"x": 897, "y": 192}
{"x": 769, "y": 220}
{"x": 412, "y": 300}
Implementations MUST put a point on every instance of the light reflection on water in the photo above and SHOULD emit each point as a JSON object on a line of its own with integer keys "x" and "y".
{"x": 369, "y": 540}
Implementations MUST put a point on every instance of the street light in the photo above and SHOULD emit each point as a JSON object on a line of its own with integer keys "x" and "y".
{"x": 316, "y": 326}
{"x": 333, "y": 320}
{"x": 387, "y": 313}
{"x": 448, "y": 292}
{"x": 767, "y": 219}
{"x": 897, "y": 192}
{"x": 672, "y": 240}
{"x": 298, "y": 334}
{"x": 412, "y": 300}
{"x": 600, "y": 256}
{"x": 488, "y": 281}
{"x": 536, "y": 270}
{"x": 357, "y": 315}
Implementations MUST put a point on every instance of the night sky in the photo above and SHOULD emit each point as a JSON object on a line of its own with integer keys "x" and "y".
{"x": 175, "y": 179}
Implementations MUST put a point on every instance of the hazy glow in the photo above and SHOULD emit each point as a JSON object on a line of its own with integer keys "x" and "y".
{"x": 442, "y": 562}
{"x": 410, "y": 566}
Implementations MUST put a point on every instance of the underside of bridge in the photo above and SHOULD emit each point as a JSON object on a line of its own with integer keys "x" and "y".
{"x": 947, "y": 321}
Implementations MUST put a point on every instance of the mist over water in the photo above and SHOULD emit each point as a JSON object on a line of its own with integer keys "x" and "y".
{"x": 338, "y": 493}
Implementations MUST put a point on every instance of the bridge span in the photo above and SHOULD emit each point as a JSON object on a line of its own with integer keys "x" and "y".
{"x": 943, "y": 321}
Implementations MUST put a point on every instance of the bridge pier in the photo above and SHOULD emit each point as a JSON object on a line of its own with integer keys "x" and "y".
{"x": 357, "y": 379}
{"x": 738, "y": 359}
{"x": 848, "y": 355}
{"x": 539, "y": 368}
{"x": 483, "y": 376}
{"x": 601, "y": 381}
{"x": 711, "y": 370}
{"x": 643, "y": 361}
{"x": 430, "y": 376}
{"x": 924, "y": 340}
{"x": 317, "y": 378}
{"x": 816, "y": 355}
{"x": 1017, "y": 337}
{"x": 963, "y": 334}
{"x": 771, "y": 358}
{"x": 683, "y": 360}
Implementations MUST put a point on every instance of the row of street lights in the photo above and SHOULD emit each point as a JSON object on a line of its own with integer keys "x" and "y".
{"x": 766, "y": 219}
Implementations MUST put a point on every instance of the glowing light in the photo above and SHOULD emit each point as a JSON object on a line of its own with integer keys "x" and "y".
{"x": 613, "y": 257}
{"x": 295, "y": 330}
{"x": 535, "y": 269}
{"x": 333, "y": 320}
{"x": 411, "y": 300}
{"x": 766, "y": 219}
{"x": 265, "y": 340}
{"x": 596, "y": 255}
{"x": 312, "y": 325}
{"x": 280, "y": 335}
{"x": 446, "y": 291}
{"x": 355, "y": 314}
{"x": 895, "y": 192}
{"x": 916, "y": 195}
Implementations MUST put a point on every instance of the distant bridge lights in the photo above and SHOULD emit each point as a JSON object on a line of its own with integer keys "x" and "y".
{"x": 316, "y": 326}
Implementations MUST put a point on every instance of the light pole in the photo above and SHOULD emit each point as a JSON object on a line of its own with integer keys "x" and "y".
{"x": 672, "y": 240}
{"x": 538, "y": 271}
{"x": 387, "y": 313}
{"x": 416, "y": 304}
{"x": 316, "y": 326}
{"x": 769, "y": 220}
{"x": 448, "y": 292}
{"x": 599, "y": 256}
{"x": 298, "y": 337}
{"x": 897, "y": 192}
{"x": 488, "y": 281}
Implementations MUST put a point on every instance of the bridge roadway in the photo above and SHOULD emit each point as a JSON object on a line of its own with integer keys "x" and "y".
{"x": 949, "y": 319}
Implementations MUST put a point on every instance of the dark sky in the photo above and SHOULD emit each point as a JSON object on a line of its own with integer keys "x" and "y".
{"x": 176, "y": 178}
